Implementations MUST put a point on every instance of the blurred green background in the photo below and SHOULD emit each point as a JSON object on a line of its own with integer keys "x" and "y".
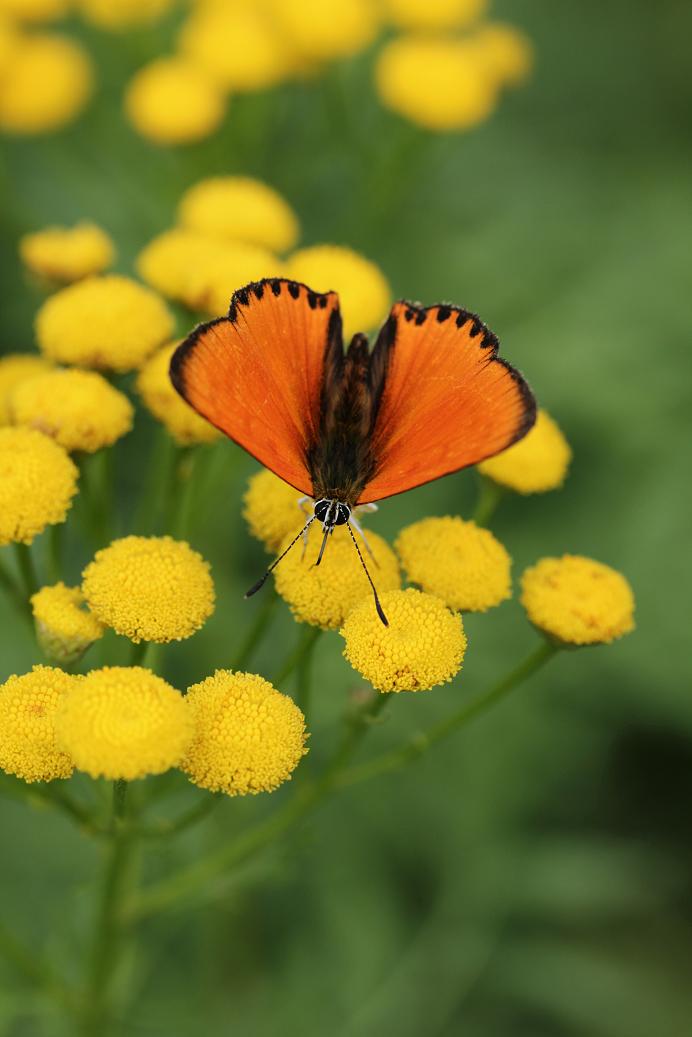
{"x": 532, "y": 876}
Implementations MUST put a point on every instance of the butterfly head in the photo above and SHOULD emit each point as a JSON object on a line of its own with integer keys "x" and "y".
{"x": 331, "y": 512}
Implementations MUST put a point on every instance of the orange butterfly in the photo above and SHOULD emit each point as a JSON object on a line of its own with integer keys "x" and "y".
{"x": 351, "y": 427}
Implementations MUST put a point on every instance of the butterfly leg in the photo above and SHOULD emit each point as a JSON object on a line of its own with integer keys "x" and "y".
{"x": 359, "y": 529}
{"x": 302, "y": 502}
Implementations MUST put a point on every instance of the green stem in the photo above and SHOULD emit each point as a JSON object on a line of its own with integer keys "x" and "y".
{"x": 256, "y": 632}
{"x": 27, "y": 570}
{"x": 174, "y": 891}
{"x": 144, "y": 653}
{"x": 57, "y": 797}
{"x": 188, "y": 819}
{"x": 155, "y": 486}
{"x": 14, "y": 591}
{"x": 422, "y": 741}
{"x": 304, "y": 680}
{"x": 184, "y": 484}
{"x": 55, "y": 551}
{"x": 110, "y": 927}
{"x": 489, "y": 497}
{"x": 304, "y": 648}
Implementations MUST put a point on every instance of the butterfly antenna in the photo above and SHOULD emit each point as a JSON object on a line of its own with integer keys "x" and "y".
{"x": 378, "y": 606}
{"x": 260, "y": 583}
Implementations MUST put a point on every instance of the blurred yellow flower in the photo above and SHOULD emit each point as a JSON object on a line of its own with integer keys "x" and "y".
{"x": 123, "y": 722}
{"x": 35, "y": 10}
{"x": 64, "y": 628}
{"x": 506, "y": 52}
{"x": 248, "y": 736}
{"x": 433, "y": 14}
{"x": 37, "y": 483}
{"x": 172, "y": 101}
{"x": 154, "y": 386}
{"x": 238, "y": 44}
{"x": 10, "y": 38}
{"x": 441, "y": 83}
{"x": 149, "y": 588}
{"x": 45, "y": 85}
{"x": 221, "y": 271}
{"x": 241, "y": 209}
{"x": 67, "y": 253}
{"x": 324, "y": 595}
{"x": 124, "y": 14}
{"x": 537, "y": 463}
{"x": 105, "y": 322}
{"x": 321, "y": 30}
{"x": 456, "y": 561}
{"x": 578, "y": 601}
{"x": 14, "y": 369}
{"x": 423, "y": 645}
{"x": 80, "y": 410}
{"x": 169, "y": 259}
{"x": 363, "y": 290}
{"x": 270, "y": 508}
{"x": 28, "y": 706}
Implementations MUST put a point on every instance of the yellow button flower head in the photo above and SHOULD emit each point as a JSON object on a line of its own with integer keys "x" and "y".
{"x": 28, "y": 706}
{"x": 457, "y": 561}
{"x": 324, "y": 29}
{"x": 106, "y": 322}
{"x": 123, "y": 14}
{"x": 15, "y": 368}
{"x": 270, "y": 508}
{"x": 10, "y": 38}
{"x": 46, "y": 84}
{"x": 324, "y": 595}
{"x": 172, "y": 101}
{"x": 80, "y": 410}
{"x": 123, "y": 722}
{"x": 259, "y": 60}
{"x": 37, "y": 483}
{"x": 433, "y": 14}
{"x": 149, "y": 588}
{"x": 439, "y": 83}
{"x": 154, "y": 386}
{"x": 363, "y": 290}
{"x": 577, "y": 601}
{"x": 169, "y": 260}
{"x": 240, "y": 209}
{"x": 248, "y": 736}
{"x": 219, "y": 272}
{"x": 507, "y": 52}
{"x": 64, "y": 628}
{"x": 537, "y": 463}
{"x": 67, "y": 253}
{"x": 35, "y": 10}
{"x": 423, "y": 645}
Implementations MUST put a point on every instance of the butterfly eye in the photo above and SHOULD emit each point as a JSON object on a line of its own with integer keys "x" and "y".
{"x": 322, "y": 509}
{"x": 343, "y": 514}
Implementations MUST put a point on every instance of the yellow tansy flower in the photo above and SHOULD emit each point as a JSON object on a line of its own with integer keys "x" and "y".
{"x": 248, "y": 737}
{"x": 259, "y": 60}
{"x": 169, "y": 260}
{"x": 10, "y": 38}
{"x": 106, "y": 322}
{"x": 506, "y": 52}
{"x": 46, "y": 84}
{"x": 37, "y": 483}
{"x": 28, "y": 705}
{"x": 64, "y": 628}
{"x": 149, "y": 588}
{"x": 324, "y": 595}
{"x": 67, "y": 253}
{"x": 219, "y": 272}
{"x": 457, "y": 561}
{"x": 15, "y": 368}
{"x": 363, "y": 289}
{"x": 240, "y": 209}
{"x": 172, "y": 101}
{"x": 123, "y": 722}
{"x": 433, "y": 14}
{"x": 35, "y": 10}
{"x": 321, "y": 30}
{"x": 154, "y": 386}
{"x": 578, "y": 601}
{"x": 440, "y": 83}
{"x": 537, "y": 463}
{"x": 270, "y": 508}
{"x": 423, "y": 645}
{"x": 80, "y": 410}
{"x": 124, "y": 14}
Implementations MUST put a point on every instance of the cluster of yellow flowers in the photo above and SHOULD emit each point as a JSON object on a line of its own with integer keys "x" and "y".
{"x": 232, "y": 733}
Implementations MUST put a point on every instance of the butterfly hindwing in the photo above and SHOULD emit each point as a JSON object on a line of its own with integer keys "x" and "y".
{"x": 447, "y": 400}
{"x": 257, "y": 374}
